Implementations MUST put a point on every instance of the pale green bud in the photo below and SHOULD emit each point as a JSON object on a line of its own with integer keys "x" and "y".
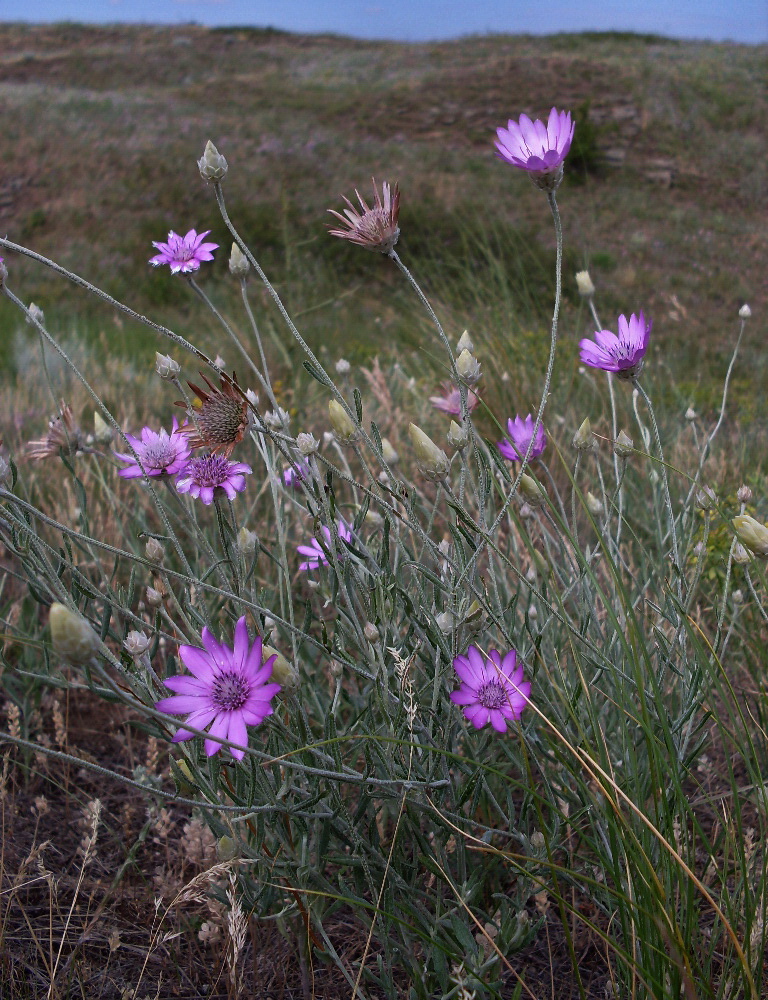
{"x": 371, "y": 633}
{"x": 468, "y": 367}
{"x": 73, "y": 638}
{"x": 388, "y": 452}
{"x": 745, "y": 312}
{"x": 584, "y": 284}
{"x": 212, "y": 165}
{"x": 584, "y": 439}
{"x": 165, "y": 366}
{"x": 465, "y": 343}
{"x": 458, "y": 435}
{"x": 238, "y": 262}
{"x": 594, "y": 505}
{"x": 102, "y": 432}
{"x": 444, "y": 621}
{"x": 247, "y": 541}
{"x": 432, "y": 461}
{"x": 531, "y": 492}
{"x": 225, "y": 848}
{"x": 623, "y": 445}
{"x": 185, "y": 781}
{"x": 752, "y": 533}
{"x": 343, "y": 427}
{"x": 283, "y": 672}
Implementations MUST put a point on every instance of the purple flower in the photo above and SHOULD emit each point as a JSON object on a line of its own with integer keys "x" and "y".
{"x": 183, "y": 253}
{"x": 204, "y": 475}
{"x": 492, "y": 689}
{"x": 228, "y": 689}
{"x": 520, "y": 433}
{"x": 450, "y": 401}
{"x": 299, "y": 472}
{"x": 374, "y": 228}
{"x": 316, "y": 553}
{"x": 161, "y": 454}
{"x": 623, "y": 354}
{"x": 533, "y": 146}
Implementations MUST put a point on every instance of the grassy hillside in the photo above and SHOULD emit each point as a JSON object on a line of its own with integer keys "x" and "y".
{"x": 664, "y": 198}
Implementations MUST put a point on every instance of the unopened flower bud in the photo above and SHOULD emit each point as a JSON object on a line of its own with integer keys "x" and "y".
{"x": 373, "y": 519}
{"x": 444, "y": 548}
{"x": 752, "y": 533}
{"x": 343, "y": 367}
{"x": 465, "y": 343}
{"x": 690, "y": 414}
{"x": 371, "y": 633}
{"x": 526, "y": 510}
{"x": 432, "y": 461}
{"x": 165, "y": 366}
{"x": 623, "y": 445}
{"x": 388, "y": 453}
{"x": 307, "y": 444}
{"x": 283, "y": 672}
{"x": 102, "y": 432}
{"x": 136, "y": 643}
{"x": 533, "y": 612}
{"x": 584, "y": 284}
{"x": 584, "y": 439}
{"x": 706, "y": 498}
{"x": 740, "y": 554}
{"x": 238, "y": 262}
{"x": 344, "y": 428}
{"x": 744, "y": 494}
{"x": 3, "y": 273}
{"x": 185, "y": 781}
{"x": 444, "y": 621}
{"x": 737, "y": 597}
{"x": 594, "y": 505}
{"x": 5, "y": 471}
{"x": 247, "y": 541}
{"x": 219, "y": 362}
{"x": 153, "y": 597}
{"x": 225, "y": 848}
{"x": 468, "y": 367}
{"x": 35, "y": 313}
{"x": 212, "y": 165}
{"x": 531, "y": 492}
{"x": 458, "y": 435}
{"x": 72, "y": 636}
{"x": 154, "y": 551}
{"x": 745, "y": 312}
{"x": 252, "y": 397}
{"x": 277, "y": 419}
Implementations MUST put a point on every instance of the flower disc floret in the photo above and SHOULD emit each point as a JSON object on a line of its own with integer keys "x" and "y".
{"x": 515, "y": 447}
{"x": 227, "y": 691}
{"x": 533, "y": 146}
{"x": 492, "y": 688}
{"x": 622, "y": 354}
{"x": 160, "y": 453}
{"x": 317, "y": 554}
{"x": 208, "y": 473}
{"x": 183, "y": 253}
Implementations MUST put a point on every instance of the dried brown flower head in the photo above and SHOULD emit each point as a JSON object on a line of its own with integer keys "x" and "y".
{"x": 221, "y": 418}
{"x": 376, "y": 228}
{"x": 63, "y": 435}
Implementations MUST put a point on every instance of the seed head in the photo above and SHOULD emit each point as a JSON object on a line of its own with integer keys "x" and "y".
{"x": 343, "y": 367}
{"x": 153, "y": 597}
{"x": 136, "y": 643}
{"x": 35, "y": 314}
{"x": 278, "y": 419}
{"x": 212, "y": 165}
{"x": 740, "y": 554}
{"x": 221, "y": 418}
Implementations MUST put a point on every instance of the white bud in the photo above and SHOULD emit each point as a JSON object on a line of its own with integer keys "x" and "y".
{"x": 165, "y": 366}
{"x": 623, "y": 445}
{"x": 373, "y": 519}
{"x": 102, "y": 432}
{"x": 444, "y": 548}
{"x": 458, "y": 435}
{"x": 371, "y": 633}
{"x": 238, "y": 262}
{"x": 278, "y": 419}
{"x": 444, "y": 621}
{"x": 283, "y": 671}
{"x": 737, "y": 597}
{"x": 136, "y": 643}
{"x": 584, "y": 284}
{"x": 690, "y": 414}
{"x": 432, "y": 461}
{"x": 752, "y": 533}
{"x": 154, "y": 551}
{"x": 531, "y": 491}
{"x": 533, "y": 612}
{"x": 706, "y": 498}
{"x": 594, "y": 506}
{"x": 389, "y": 454}
{"x": 307, "y": 444}
{"x": 383, "y": 478}
{"x": 740, "y": 554}
{"x": 346, "y": 431}
{"x": 252, "y": 397}
{"x": 153, "y": 597}
{"x": 219, "y": 361}
{"x": 247, "y": 541}
{"x": 72, "y": 636}
{"x": 584, "y": 439}
{"x": 468, "y": 367}
{"x": 343, "y": 367}
{"x": 465, "y": 343}
{"x": 526, "y": 510}
{"x": 212, "y": 165}
{"x": 35, "y": 313}
{"x": 745, "y": 312}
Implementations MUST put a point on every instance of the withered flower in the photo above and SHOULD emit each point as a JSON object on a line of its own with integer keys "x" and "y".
{"x": 220, "y": 416}
{"x": 63, "y": 435}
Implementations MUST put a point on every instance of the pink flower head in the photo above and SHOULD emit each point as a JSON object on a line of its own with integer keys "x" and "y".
{"x": 299, "y": 472}
{"x": 622, "y": 355}
{"x": 515, "y": 448}
{"x": 183, "y": 253}
{"x": 161, "y": 453}
{"x": 208, "y": 473}
{"x": 533, "y": 146}
{"x": 228, "y": 689}
{"x": 374, "y": 228}
{"x": 450, "y": 401}
{"x": 492, "y": 688}
{"x": 317, "y": 554}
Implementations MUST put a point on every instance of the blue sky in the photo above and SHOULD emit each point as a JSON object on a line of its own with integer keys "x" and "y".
{"x": 420, "y": 20}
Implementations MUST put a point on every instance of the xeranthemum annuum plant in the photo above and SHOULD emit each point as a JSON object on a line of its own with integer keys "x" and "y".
{"x": 457, "y": 702}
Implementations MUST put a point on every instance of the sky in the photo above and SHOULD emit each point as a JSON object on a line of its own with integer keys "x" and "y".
{"x": 423, "y": 20}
